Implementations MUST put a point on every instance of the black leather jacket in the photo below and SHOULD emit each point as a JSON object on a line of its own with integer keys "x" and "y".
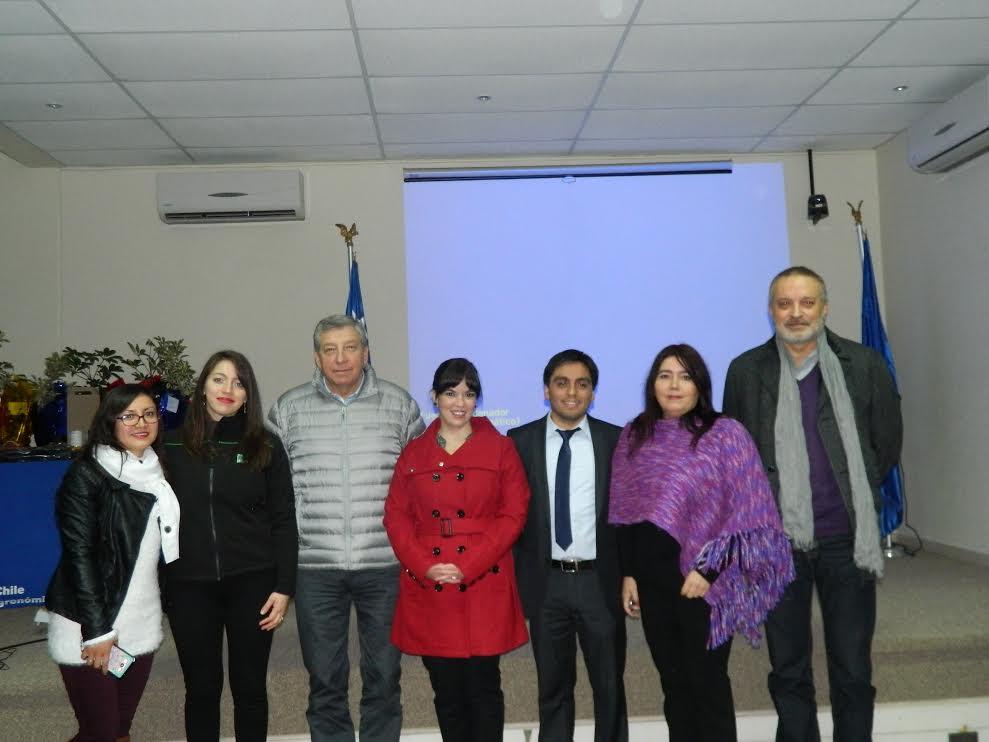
{"x": 101, "y": 522}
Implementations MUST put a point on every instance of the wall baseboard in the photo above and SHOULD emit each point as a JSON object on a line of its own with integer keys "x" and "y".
{"x": 953, "y": 552}
{"x": 906, "y": 721}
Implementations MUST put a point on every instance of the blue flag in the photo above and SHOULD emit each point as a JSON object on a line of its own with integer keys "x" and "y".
{"x": 355, "y": 302}
{"x": 874, "y": 336}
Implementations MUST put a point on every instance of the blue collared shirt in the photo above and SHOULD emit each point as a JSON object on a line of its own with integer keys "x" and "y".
{"x": 583, "y": 510}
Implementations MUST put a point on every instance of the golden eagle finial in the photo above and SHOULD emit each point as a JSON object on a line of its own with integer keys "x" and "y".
{"x": 348, "y": 234}
{"x": 856, "y": 212}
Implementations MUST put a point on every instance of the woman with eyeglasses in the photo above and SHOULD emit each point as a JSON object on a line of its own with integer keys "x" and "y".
{"x": 457, "y": 503}
{"x": 116, "y": 517}
{"x": 239, "y": 548}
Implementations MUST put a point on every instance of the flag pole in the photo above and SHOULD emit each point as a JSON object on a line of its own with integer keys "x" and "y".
{"x": 891, "y": 550}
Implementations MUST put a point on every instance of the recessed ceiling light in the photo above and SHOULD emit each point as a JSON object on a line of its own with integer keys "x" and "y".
{"x": 484, "y": 98}
{"x": 900, "y": 88}
{"x": 54, "y": 106}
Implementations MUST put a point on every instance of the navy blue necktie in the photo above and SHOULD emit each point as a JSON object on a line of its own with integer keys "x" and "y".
{"x": 561, "y": 519}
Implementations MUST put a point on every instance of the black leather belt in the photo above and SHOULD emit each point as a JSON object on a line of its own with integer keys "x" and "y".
{"x": 572, "y": 565}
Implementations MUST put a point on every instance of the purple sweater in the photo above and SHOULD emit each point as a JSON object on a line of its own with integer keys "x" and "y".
{"x": 716, "y": 502}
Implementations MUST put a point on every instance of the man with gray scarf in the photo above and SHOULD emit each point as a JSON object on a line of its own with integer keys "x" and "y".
{"x": 825, "y": 415}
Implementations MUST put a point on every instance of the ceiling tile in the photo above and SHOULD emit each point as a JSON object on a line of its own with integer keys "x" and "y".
{"x": 683, "y": 123}
{"x": 478, "y": 127}
{"x": 721, "y": 47}
{"x": 488, "y": 51}
{"x": 226, "y": 56}
{"x": 649, "y": 146}
{"x": 477, "y": 149}
{"x": 286, "y": 154}
{"x": 876, "y": 84}
{"x": 749, "y": 11}
{"x": 116, "y": 134}
{"x": 100, "y": 16}
{"x": 121, "y": 157}
{"x": 709, "y": 89}
{"x": 916, "y": 43}
{"x": 79, "y": 100}
{"x": 949, "y": 9}
{"x": 271, "y": 131}
{"x": 46, "y": 59}
{"x": 458, "y": 13}
{"x": 321, "y": 97}
{"x": 833, "y": 142}
{"x": 17, "y": 16}
{"x": 459, "y": 94}
{"x": 853, "y": 119}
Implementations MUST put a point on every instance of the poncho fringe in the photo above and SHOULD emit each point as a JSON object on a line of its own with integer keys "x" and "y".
{"x": 754, "y": 568}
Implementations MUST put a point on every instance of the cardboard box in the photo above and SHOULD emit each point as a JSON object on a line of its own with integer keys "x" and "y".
{"x": 81, "y": 404}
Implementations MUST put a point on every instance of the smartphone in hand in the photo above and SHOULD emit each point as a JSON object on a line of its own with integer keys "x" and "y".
{"x": 119, "y": 662}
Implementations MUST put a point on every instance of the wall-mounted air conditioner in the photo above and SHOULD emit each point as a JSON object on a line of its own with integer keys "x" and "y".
{"x": 190, "y": 197}
{"x": 953, "y": 133}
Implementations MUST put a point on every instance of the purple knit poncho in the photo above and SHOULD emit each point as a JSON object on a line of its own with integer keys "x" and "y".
{"x": 716, "y": 502}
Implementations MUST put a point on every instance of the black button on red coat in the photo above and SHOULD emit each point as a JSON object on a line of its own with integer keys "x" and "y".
{"x": 436, "y": 513}
{"x": 462, "y": 588}
{"x": 496, "y": 569}
{"x": 461, "y": 549}
{"x": 436, "y": 477}
{"x": 436, "y": 551}
{"x": 461, "y": 513}
{"x": 438, "y": 588}
{"x": 460, "y": 477}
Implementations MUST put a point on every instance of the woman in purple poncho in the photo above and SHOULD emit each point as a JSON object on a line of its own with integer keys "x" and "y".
{"x": 701, "y": 542}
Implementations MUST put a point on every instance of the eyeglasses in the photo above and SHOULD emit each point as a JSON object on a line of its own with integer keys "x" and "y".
{"x": 130, "y": 418}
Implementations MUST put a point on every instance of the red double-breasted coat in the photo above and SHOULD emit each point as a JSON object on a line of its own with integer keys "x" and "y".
{"x": 466, "y": 508}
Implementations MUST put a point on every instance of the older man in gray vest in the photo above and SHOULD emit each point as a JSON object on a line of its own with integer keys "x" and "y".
{"x": 343, "y": 432}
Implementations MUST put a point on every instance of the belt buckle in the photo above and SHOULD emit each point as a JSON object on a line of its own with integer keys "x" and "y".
{"x": 446, "y": 527}
{"x": 570, "y": 566}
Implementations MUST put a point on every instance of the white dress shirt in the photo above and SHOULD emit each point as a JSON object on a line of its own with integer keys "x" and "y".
{"x": 583, "y": 509}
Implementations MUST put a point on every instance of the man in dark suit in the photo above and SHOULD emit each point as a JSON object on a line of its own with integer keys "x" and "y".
{"x": 566, "y": 560}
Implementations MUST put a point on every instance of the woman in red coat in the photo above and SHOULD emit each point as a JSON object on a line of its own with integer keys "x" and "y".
{"x": 456, "y": 505}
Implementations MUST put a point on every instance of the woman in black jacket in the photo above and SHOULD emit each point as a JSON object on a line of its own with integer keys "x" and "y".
{"x": 116, "y": 517}
{"x": 239, "y": 548}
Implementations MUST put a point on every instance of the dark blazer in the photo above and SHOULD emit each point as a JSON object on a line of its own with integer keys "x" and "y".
{"x": 752, "y": 393}
{"x": 533, "y": 549}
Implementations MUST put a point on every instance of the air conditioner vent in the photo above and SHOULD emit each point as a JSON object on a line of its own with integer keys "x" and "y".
{"x": 230, "y": 196}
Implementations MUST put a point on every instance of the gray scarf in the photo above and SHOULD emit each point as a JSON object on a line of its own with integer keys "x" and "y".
{"x": 794, "y": 467}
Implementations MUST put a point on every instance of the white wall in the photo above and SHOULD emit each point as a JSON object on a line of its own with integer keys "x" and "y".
{"x": 29, "y": 263}
{"x": 936, "y": 229}
{"x": 259, "y": 288}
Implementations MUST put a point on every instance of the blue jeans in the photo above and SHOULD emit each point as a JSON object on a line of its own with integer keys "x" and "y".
{"x": 322, "y": 608}
{"x": 848, "y": 608}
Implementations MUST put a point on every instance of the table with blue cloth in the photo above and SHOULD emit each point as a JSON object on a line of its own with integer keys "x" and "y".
{"x": 29, "y": 545}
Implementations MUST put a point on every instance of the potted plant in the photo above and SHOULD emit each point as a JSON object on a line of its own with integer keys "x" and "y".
{"x": 51, "y": 404}
{"x": 6, "y": 367}
{"x": 161, "y": 365}
{"x": 16, "y": 396}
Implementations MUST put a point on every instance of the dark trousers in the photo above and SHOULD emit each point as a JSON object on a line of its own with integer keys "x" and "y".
{"x": 322, "y": 609}
{"x": 199, "y": 614}
{"x": 697, "y": 698}
{"x": 575, "y": 608}
{"x": 470, "y": 706}
{"x": 848, "y": 609}
{"x": 104, "y": 705}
